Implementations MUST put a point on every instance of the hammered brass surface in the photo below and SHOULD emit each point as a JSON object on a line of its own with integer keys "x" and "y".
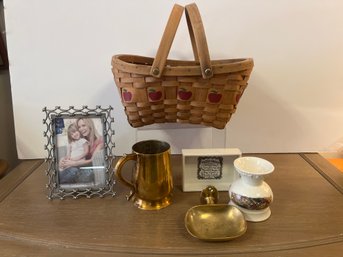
{"x": 215, "y": 222}
{"x": 212, "y": 221}
{"x": 209, "y": 195}
{"x": 152, "y": 182}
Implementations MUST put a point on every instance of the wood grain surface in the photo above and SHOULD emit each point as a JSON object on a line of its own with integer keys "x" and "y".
{"x": 306, "y": 219}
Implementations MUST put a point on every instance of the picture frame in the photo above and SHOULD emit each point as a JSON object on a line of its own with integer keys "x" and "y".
{"x": 204, "y": 167}
{"x": 79, "y": 152}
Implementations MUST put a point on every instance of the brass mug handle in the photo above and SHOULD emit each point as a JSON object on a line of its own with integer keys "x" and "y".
{"x": 118, "y": 171}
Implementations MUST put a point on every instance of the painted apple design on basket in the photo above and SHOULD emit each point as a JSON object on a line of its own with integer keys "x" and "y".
{"x": 126, "y": 95}
{"x": 154, "y": 95}
{"x": 238, "y": 96}
{"x": 214, "y": 96}
{"x": 184, "y": 94}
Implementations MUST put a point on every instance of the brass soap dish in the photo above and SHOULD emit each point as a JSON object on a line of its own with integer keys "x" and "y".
{"x": 214, "y": 222}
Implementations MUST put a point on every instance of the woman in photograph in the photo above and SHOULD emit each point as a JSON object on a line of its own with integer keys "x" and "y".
{"x": 70, "y": 170}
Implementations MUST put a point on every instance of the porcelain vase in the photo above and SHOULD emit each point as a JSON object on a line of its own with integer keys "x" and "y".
{"x": 250, "y": 193}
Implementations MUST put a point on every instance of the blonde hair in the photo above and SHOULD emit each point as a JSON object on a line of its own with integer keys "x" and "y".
{"x": 93, "y": 134}
{"x": 71, "y": 128}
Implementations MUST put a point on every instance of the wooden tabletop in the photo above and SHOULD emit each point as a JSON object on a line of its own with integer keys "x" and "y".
{"x": 306, "y": 220}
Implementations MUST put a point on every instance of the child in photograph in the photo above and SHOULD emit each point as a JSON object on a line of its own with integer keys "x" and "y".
{"x": 78, "y": 147}
{"x": 73, "y": 171}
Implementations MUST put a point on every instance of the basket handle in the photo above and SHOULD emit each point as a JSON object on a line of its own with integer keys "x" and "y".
{"x": 166, "y": 41}
{"x": 197, "y": 35}
{"x": 198, "y": 38}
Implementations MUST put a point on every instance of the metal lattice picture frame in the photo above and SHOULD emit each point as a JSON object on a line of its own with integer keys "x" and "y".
{"x": 80, "y": 152}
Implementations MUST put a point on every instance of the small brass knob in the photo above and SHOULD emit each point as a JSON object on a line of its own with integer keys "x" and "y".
{"x": 208, "y": 72}
{"x": 155, "y": 71}
{"x": 209, "y": 195}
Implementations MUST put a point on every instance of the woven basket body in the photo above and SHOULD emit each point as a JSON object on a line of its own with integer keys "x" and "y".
{"x": 192, "y": 92}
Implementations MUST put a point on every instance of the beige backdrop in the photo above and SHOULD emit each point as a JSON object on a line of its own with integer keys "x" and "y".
{"x": 60, "y": 53}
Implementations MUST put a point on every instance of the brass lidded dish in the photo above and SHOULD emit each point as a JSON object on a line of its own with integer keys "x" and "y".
{"x": 214, "y": 222}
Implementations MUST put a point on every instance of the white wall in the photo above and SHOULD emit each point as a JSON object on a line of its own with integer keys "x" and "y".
{"x": 60, "y": 52}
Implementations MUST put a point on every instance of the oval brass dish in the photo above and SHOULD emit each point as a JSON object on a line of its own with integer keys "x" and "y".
{"x": 214, "y": 222}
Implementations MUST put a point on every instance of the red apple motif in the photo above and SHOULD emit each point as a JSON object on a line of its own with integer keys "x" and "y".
{"x": 238, "y": 97}
{"x": 184, "y": 94}
{"x": 214, "y": 96}
{"x": 126, "y": 95}
{"x": 154, "y": 95}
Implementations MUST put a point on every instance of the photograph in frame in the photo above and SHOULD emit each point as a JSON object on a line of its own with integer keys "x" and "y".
{"x": 79, "y": 152}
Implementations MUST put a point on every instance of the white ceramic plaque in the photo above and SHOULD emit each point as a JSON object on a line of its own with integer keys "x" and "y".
{"x": 203, "y": 167}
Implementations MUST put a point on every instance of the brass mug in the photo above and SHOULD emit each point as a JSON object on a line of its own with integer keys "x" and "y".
{"x": 152, "y": 183}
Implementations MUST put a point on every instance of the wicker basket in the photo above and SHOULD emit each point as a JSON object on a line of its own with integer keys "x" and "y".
{"x": 157, "y": 90}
